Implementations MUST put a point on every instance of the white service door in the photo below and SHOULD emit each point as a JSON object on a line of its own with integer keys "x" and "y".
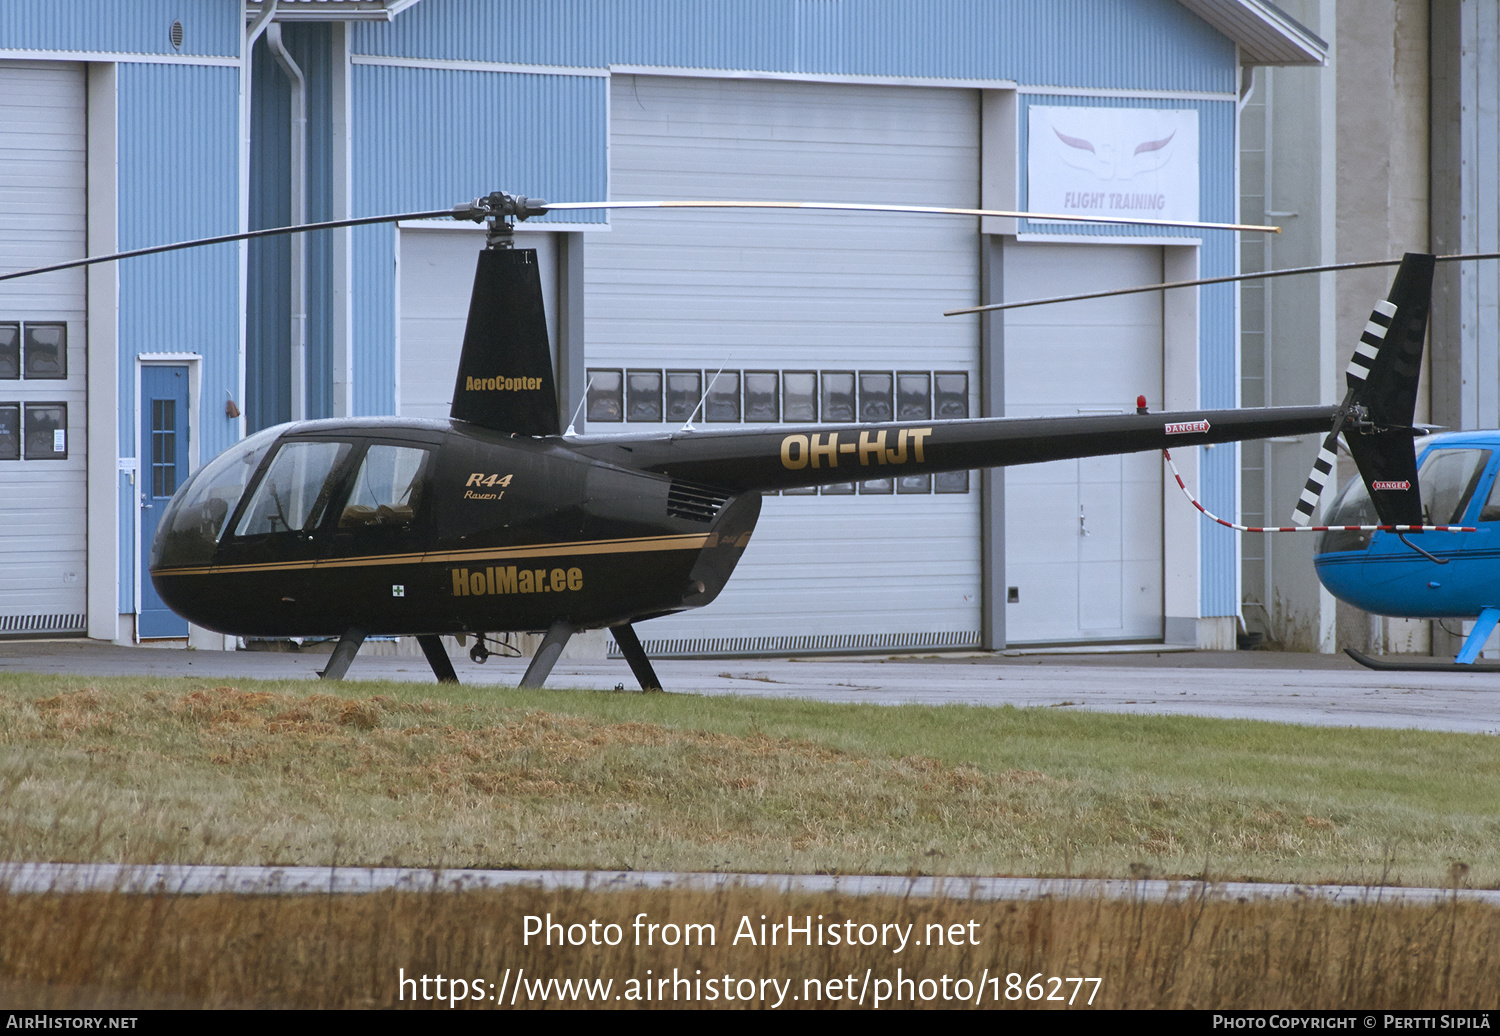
{"x": 757, "y": 290}
{"x": 1083, "y": 538}
{"x": 43, "y": 495}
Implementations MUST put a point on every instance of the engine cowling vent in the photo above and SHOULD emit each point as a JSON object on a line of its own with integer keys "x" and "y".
{"x": 694, "y": 502}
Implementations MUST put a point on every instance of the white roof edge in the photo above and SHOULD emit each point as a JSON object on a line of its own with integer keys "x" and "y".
{"x": 332, "y": 10}
{"x": 1266, "y": 35}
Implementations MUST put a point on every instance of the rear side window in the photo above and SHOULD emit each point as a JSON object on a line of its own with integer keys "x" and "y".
{"x": 388, "y": 489}
{"x": 295, "y": 490}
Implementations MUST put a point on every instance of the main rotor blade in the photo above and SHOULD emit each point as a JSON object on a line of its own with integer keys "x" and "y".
{"x": 1264, "y": 275}
{"x": 829, "y": 206}
{"x": 457, "y": 212}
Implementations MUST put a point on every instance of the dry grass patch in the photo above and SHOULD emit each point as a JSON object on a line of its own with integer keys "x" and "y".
{"x": 110, "y": 950}
{"x": 137, "y": 770}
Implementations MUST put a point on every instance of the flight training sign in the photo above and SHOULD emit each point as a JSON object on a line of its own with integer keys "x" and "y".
{"x": 1130, "y": 162}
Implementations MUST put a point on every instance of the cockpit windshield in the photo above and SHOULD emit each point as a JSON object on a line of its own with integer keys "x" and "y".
{"x": 189, "y": 532}
{"x": 1351, "y": 507}
{"x": 1447, "y": 480}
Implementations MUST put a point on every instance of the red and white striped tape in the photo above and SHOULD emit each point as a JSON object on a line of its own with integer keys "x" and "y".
{"x": 1305, "y": 528}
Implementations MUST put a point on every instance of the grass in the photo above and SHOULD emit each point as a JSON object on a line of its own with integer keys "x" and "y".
{"x": 159, "y": 770}
{"x": 159, "y": 951}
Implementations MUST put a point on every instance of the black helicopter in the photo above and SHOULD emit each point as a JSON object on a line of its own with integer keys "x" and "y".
{"x": 495, "y": 521}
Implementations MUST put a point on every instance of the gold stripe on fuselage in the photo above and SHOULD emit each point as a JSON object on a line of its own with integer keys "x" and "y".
{"x": 635, "y": 545}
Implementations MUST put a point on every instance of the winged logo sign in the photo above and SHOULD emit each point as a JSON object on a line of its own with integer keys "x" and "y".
{"x": 1140, "y": 162}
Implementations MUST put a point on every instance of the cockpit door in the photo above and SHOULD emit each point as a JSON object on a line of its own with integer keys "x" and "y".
{"x": 280, "y": 525}
{"x": 382, "y": 514}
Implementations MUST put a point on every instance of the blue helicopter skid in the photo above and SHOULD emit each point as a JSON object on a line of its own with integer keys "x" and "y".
{"x": 1420, "y": 667}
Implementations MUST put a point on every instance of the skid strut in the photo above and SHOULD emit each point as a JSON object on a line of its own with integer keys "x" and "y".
{"x": 338, "y": 662}
{"x": 437, "y": 657}
{"x": 546, "y": 656}
{"x": 640, "y": 665}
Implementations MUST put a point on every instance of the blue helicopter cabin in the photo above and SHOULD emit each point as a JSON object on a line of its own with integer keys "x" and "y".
{"x": 1432, "y": 575}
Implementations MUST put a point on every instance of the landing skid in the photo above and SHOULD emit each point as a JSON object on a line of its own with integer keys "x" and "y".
{"x": 1484, "y": 625}
{"x": 1420, "y": 667}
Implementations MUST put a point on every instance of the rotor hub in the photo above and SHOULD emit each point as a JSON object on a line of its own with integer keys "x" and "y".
{"x": 500, "y": 210}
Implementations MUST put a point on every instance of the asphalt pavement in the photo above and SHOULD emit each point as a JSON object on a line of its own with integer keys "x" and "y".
{"x": 1328, "y": 690}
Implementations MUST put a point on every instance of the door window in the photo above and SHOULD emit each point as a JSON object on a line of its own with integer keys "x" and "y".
{"x": 1447, "y": 480}
{"x": 388, "y": 489}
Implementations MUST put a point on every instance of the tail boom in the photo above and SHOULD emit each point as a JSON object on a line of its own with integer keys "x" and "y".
{"x": 815, "y": 455}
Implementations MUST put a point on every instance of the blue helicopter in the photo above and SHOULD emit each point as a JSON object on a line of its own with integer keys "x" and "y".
{"x": 1417, "y": 534}
{"x": 1455, "y": 575}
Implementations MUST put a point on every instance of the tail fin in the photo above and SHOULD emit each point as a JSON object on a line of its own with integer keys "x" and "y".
{"x": 1379, "y": 405}
{"x": 1382, "y": 437}
{"x": 505, "y": 379}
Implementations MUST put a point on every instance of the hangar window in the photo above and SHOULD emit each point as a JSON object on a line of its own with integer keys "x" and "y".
{"x": 606, "y": 398}
{"x": 878, "y": 486}
{"x": 684, "y": 390}
{"x": 799, "y": 395}
{"x": 46, "y": 351}
{"x": 876, "y": 397}
{"x": 723, "y": 402}
{"x": 10, "y": 431}
{"x": 952, "y": 395}
{"x": 838, "y": 395}
{"x": 46, "y": 431}
{"x": 294, "y": 492}
{"x": 762, "y": 398}
{"x": 951, "y": 399}
{"x": 951, "y": 482}
{"x": 914, "y": 484}
{"x": 10, "y": 351}
{"x": 913, "y": 396}
{"x": 388, "y": 489}
{"x": 643, "y": 396}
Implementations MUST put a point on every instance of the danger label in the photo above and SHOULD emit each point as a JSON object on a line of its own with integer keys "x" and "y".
{"x": 1402, "y": 485}
{"x": 1187, "y": 427}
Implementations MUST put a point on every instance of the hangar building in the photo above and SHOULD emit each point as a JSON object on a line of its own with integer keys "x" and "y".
{"x": 126, "y": 125}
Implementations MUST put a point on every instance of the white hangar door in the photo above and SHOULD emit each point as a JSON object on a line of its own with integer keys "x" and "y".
{"x": 436, "y": 273}
{"x": 1083, "y": 538}
{"x": 847, "y": 299}
{"x": 43, "y": 444}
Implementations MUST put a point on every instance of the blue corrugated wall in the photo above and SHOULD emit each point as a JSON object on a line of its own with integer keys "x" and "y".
{"x": 425, "y": 138}
{"x": 1144, "y": 44}
{"x": 268, "y": 320}
{"x": 209, "y": 27}
{"x": 178, "y": 179}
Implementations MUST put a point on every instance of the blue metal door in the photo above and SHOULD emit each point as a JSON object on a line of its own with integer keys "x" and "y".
{"x": 162, "y": 453}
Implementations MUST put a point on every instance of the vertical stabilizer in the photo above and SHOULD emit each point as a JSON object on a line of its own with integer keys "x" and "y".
{"x": 505, "y": 379}
{"x": 1385, "y": 386}
{"x": 1376, "y": 415}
